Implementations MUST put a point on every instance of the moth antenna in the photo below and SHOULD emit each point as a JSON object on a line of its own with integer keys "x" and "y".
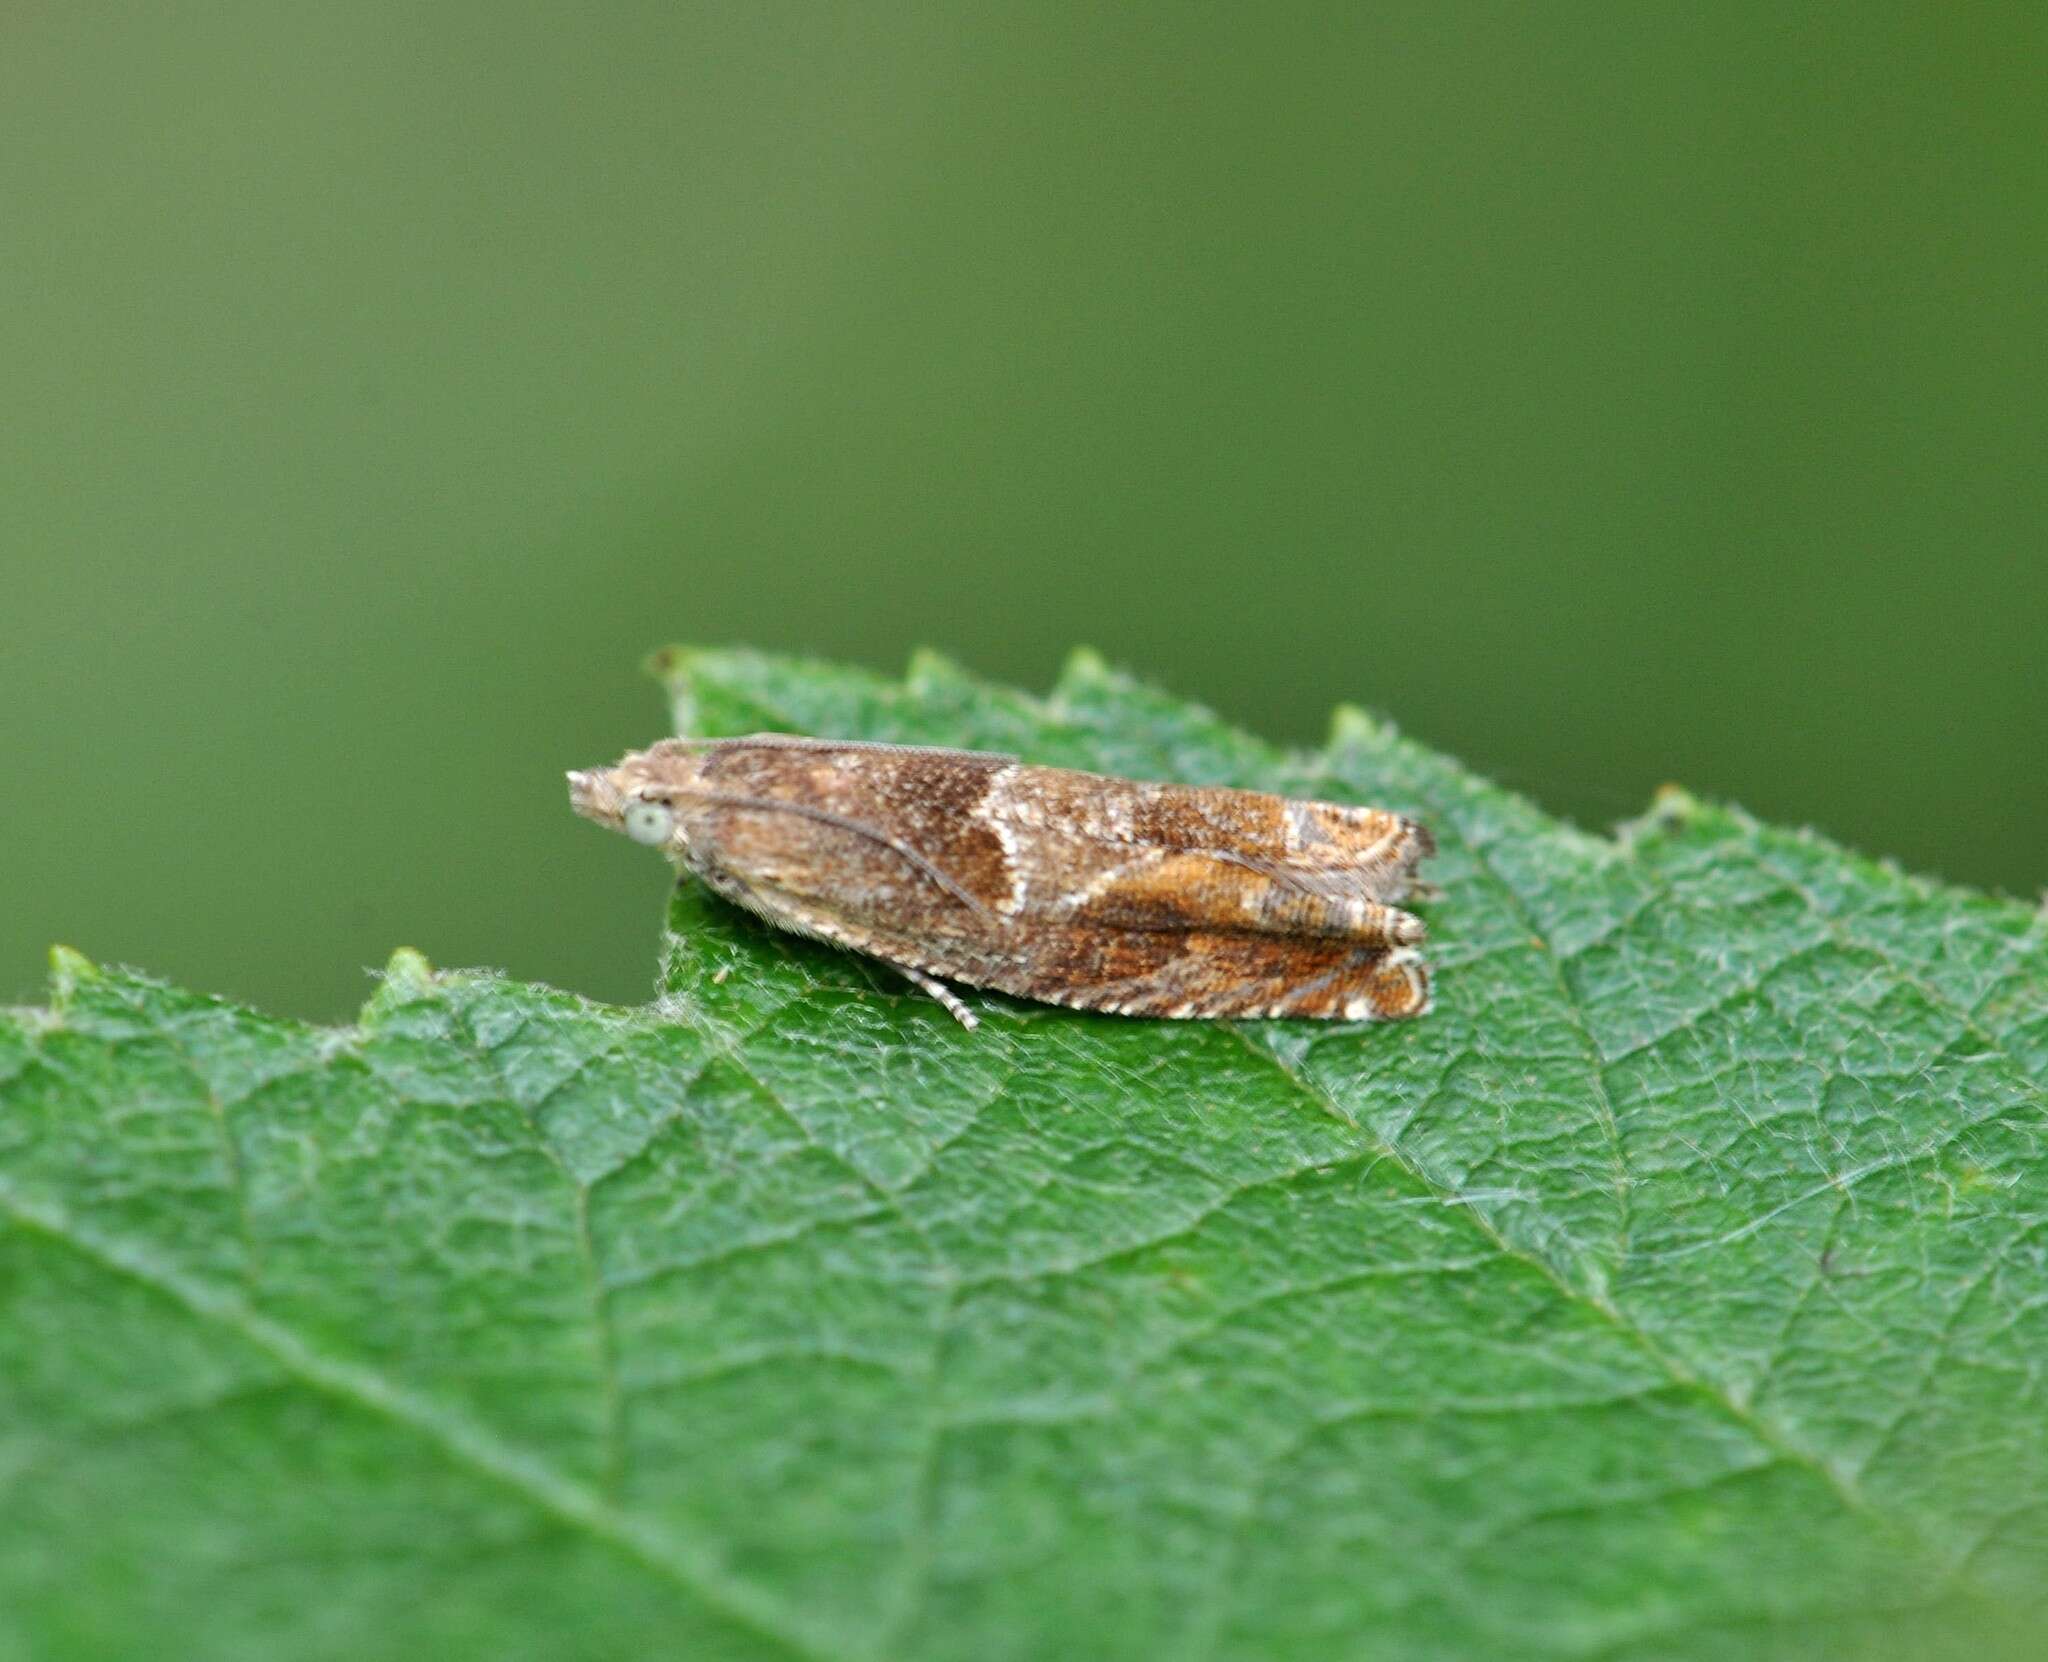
{"x": 825, "y": 816}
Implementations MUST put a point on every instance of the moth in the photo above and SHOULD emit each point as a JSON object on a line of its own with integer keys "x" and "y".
{"x": 1051, "y": 884}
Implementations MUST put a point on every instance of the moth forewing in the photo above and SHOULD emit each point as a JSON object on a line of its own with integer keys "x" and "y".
{"x": 1067, "y": 887}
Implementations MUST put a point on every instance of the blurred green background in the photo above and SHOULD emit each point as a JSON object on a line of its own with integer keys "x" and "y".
{"x": 1611, "y": 393}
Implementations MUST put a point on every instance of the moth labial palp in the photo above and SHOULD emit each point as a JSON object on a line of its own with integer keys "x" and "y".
{"x": 1072, "y": 888}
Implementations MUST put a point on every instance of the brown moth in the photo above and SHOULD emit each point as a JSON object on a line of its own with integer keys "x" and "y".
{"x": 1071, "y": 888}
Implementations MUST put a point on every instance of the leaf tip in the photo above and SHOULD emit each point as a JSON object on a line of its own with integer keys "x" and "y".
{"x": 1085, "y": 667}
{"x": 408, "y": 974}
{"x": 68, "y": 968}
{"x": 1354, "y": 724}
{"x": 929, "y": 667}
{"x": 1672, "y": 808}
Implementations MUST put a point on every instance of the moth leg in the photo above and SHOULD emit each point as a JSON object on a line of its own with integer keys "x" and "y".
{"x": 954, "y": 1006}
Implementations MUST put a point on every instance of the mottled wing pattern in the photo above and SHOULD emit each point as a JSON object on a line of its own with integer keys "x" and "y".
{"x": 892, "y": 824}
{"x": 1196, "y": 973}
{"x": 1202, "y": 901}
{"x": 1071, "y": 888}
{"x": 1174, "y": 973}
{"x": 1074, "y": 888}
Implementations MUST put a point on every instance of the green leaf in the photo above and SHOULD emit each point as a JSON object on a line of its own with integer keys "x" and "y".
{"x": 1679, "y": 1289}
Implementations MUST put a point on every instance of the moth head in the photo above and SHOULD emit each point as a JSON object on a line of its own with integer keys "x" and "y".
{"x": 640, "y": 796}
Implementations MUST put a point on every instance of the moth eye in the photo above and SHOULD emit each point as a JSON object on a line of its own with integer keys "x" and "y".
{"x": 649, "y": 823}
